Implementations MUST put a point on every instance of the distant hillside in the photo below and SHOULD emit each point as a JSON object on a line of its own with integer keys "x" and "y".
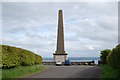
{"x": 13, "y": 56}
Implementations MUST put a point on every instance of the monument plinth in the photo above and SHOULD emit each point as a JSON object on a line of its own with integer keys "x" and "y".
{"x": 60, "y": 54}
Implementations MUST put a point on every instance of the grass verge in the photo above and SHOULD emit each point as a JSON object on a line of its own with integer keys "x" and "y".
{"x": 109, "y": 72}
{"x": 21, "y": 71}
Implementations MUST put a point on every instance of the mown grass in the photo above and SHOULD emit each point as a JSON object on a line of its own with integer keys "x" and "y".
{"x": 109, "y": 72}
{"x": 21, "y": 71}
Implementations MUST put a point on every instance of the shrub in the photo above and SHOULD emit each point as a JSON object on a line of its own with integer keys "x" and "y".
{"x": 9, "y": 57}
{"x": 12, "y": 57}
{"x": 114, "y": 57}
{"x": 27, "y": 58}
{"x": 38, "y": 59}
{"x": 104, "y": 54}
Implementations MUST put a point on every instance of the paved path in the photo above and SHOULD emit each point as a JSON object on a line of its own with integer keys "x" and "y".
{"x": 69, "y": 72}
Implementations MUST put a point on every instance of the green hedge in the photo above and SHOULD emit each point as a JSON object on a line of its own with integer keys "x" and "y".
{"x": 38, "y": 59}
{"x": 104, "y": 54}
{"x": 114, "y": 57}
{"x": 9, "y": 57}
{"x": 12, "y": 57}
{"x": 26, "y": 58}
{"x": 111, "y": 57}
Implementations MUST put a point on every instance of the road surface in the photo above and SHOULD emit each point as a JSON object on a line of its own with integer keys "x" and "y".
{"x": 69, "y": 72}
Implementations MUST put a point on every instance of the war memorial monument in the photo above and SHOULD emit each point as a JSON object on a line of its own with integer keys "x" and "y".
{"x": 60, "y": 54}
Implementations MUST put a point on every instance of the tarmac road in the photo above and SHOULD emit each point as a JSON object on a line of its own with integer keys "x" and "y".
{"x": 69, "y": 72}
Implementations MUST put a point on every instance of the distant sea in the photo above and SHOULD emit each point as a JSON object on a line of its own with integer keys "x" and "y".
{"x": 76, "y": 59}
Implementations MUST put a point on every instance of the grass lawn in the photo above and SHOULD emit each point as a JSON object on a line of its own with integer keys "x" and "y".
{"x": 109, "y": 72}
{"x": 21, "y": 71}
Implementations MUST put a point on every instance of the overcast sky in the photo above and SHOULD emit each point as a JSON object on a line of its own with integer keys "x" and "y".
{"x": 88, "y": 26}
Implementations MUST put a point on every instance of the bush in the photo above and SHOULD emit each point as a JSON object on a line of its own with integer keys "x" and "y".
{"x": 104, "y": 54}
{"x": 9, "y": 57}
{"x": 38, "y": 59}
{"x": 12, "y": 57}
{"x": 27, "y": 58}
{"x": 114, "y": 57}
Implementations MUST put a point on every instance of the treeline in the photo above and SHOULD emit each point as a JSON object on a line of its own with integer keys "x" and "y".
{"x": 111, "y": 57}
{"x": 13, "y": 57}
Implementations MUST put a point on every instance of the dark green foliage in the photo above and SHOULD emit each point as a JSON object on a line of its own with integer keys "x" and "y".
{"x": 12, "y": 57}
{"x": 38, "y": 59}
{"x": 104, "y": 54}
{"x": 114, "y": 57}
{"x": 113, "y": 63}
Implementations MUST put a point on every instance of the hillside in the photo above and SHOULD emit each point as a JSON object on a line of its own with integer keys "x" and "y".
{"x": 13, "y": 57}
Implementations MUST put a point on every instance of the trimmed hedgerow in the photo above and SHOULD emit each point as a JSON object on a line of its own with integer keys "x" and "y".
{"x": 9, "y": 57}
{"x": 27, "y": 58}
{"x": 12, "y": 57}
{"x": 38, "y": 59}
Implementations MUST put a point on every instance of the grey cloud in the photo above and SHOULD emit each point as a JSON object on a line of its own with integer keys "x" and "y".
{"x": 89, "y": 27}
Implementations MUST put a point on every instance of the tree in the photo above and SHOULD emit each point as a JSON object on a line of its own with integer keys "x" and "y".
{"x": 104, "y": 54}
{"x": 114, "y": 57}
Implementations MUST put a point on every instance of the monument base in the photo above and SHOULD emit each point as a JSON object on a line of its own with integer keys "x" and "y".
{"x": 60, "y": 57}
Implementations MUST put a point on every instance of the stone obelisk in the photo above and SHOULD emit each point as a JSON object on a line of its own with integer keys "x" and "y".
{"x": 60, "y": 54}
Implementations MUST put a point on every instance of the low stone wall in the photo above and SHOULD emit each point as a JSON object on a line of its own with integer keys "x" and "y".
{"x": 48, "y": 63}
{"x": 83, "y": 63}
{"x": 72, "y": 63}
